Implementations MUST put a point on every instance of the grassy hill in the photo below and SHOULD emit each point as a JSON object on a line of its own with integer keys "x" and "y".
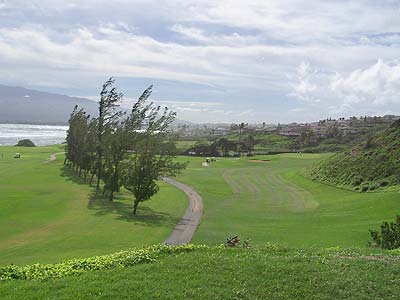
{"x": 267, "y": 272}
{"x": 371, "y": 165}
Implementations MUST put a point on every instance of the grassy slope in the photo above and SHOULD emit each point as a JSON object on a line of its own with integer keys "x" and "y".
{"x": 229, "y": 274}
{"x": 274, "y": 202}
{"x": 46, "y": 215}
{"x": 371, "y": 166}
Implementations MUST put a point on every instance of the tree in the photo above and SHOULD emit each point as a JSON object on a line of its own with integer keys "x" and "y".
{"x": 107, "y": 120}
{"x": 25, "y": 143}
{"x": 153, "y": 152}
{"x": 307, "y": 136}
{"x": 333, "y": 131}
{"x": 116, "y": 147}
{"x": 248, "y": 144}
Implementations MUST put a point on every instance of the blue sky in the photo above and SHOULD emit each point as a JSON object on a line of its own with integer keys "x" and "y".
{"x": 212, "y": 61}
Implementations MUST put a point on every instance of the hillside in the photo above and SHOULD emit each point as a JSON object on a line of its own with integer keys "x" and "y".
{"x": 25, "y": 106}
{"x": 20, "y": 105}
{"x": 195, "y": 272}
{"x": 373, "y": 164}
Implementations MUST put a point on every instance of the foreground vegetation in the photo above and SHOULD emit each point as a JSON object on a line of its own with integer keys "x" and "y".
{"x": 267, "y": 272}
{"x": 371, "y": 165}
{"x": 48, "y": 214}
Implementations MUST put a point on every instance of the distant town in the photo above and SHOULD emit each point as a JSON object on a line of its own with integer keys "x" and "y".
{"x": 320, "y": 129}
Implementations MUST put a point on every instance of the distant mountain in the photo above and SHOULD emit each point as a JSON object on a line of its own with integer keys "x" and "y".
{"x": 20, "y": 105}
{"x": 25, "y": 106}
{"x": 371, "y": 165}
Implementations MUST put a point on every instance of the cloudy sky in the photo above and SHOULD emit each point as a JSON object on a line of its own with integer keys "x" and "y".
{"x": 212, "y": 61}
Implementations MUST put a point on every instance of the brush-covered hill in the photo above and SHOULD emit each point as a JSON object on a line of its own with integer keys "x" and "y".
{"x": 370, "y": 165}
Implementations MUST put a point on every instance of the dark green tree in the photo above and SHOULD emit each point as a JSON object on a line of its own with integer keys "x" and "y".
{"x": 108, "y": 118}
{"x": 153, "y": 150}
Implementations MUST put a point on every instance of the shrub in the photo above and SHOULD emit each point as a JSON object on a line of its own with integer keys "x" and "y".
{"x": 364, "y": 188}
{"x": 384, "y": 183}
{"x": 357, "y": 180}
{"x": 75, "y": 266}
{"x": 389, "y": 235}
{"x": 25, "y": 143}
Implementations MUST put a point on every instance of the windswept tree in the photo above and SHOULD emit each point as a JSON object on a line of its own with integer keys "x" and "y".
{"x": 153, "y": 151}
{"x": 76, "y": 139}
{"x": 116, "y": 145}
{"x": 132, "y": 151}
{"x": 108, "y": 118}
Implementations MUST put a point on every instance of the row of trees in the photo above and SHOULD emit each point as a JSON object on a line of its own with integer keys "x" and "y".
{"x": 225, "y": 147}
{"x": 130, "y": 150}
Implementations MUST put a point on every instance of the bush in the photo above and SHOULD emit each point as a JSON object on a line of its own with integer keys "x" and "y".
{"x": 25, "y": 143}
{"x": 364, "y": 188}
{"x": 75, "y": 266}
{"x": 357, "y": 180}
{"x": 389, "y": 235}
{"x": 384, "y": 183}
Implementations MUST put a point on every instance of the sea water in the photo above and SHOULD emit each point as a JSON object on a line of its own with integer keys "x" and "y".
{"x": 41, "y": 135}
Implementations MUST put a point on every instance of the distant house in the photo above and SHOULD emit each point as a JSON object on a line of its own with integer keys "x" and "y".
{"x": 220, "y": 131}
{"x": 290, "y": 132}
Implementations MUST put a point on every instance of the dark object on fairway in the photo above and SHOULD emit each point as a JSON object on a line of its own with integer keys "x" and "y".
{"x": 389, "y": 235}
{"x": 25, "y": 143}
{"x": 232, "y": 241}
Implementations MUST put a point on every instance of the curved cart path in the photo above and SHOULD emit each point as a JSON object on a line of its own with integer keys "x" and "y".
{"x": 53, "y": 157}
{"x": 185, "y": 229}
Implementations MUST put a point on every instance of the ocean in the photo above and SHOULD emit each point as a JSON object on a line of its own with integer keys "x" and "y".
{"x": 41, "y": 135}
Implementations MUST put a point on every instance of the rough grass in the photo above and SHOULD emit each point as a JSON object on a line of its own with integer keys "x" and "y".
{"x": 275, "y": 202}
{"x": 264, "y": 273}
{"x": 47, "y": 214}
{"x": 369, "y": 166}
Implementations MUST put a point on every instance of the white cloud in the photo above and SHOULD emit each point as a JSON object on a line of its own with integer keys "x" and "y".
{"x": 374, "y": 88}
{"x": 378, "y": 84}
{"x": 322, "y": 53}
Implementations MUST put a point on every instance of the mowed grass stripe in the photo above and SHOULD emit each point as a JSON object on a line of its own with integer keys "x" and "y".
{"x": 274, "y": 202}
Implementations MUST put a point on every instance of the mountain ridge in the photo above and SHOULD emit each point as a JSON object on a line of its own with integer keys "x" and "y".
{"x": 19, "y": 105}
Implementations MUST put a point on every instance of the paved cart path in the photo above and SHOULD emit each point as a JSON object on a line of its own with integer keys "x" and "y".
{"x": 185, "y": 229}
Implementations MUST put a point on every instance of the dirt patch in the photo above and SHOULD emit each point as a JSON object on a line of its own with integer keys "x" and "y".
{"x": 52, "y": 157}
{"x": 263, "y": 161}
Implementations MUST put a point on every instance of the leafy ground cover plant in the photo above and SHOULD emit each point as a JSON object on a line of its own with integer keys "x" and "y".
{"x": 389, "y": 235}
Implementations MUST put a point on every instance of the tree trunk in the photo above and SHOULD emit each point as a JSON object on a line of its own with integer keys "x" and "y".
{"x": 91, "y": 178}
{"x": 135, "y": 206}
{"x": 98, "y": 183}
{"x": 111, "y": 196}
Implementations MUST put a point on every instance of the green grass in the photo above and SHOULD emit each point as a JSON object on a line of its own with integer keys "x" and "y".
{"x": 47, "y": 214}
{"x": 184, "y": 145}
{"x": 266, "y": 273}
{"x": 274, "y": 202}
